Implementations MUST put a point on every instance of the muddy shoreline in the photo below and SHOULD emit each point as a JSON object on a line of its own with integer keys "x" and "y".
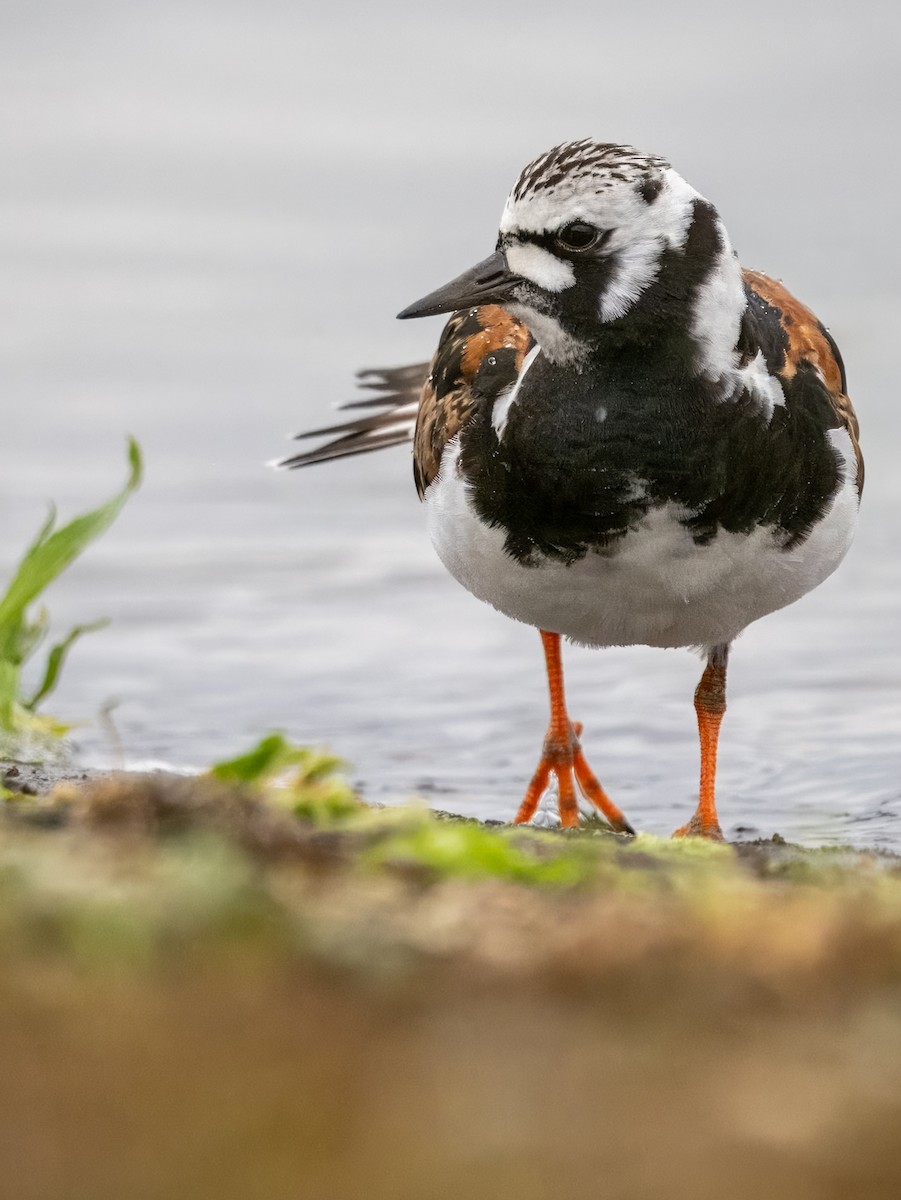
{"x": 203, "y": 994}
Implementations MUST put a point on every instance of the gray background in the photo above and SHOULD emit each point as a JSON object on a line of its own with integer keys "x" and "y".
{"x": 209, "y": 214}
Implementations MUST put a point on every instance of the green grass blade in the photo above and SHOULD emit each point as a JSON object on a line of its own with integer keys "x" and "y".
{"x": 55, "y": 660}
{"x": 51, "y": 552}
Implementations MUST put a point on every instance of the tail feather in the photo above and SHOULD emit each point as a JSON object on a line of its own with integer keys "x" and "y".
{"x": 399, "y": 391}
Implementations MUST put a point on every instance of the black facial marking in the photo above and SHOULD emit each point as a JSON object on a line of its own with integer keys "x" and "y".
{"x": 551, "y": 241}
{"x": 651, "y": 189}
{"x": 664, "y": 309}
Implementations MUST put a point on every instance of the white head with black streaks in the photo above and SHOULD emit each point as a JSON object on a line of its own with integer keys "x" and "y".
{"x": 600, "y": 243}
{"x": 586, "y": 229}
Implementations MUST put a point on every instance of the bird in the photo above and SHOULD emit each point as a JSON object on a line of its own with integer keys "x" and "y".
{"x": 623, "y": 437}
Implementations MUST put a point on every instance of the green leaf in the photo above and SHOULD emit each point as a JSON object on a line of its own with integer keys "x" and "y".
{"x": 30, "y": 635}
{"x": 49, "y": 553}
{"x": 315, "y": 790}
{"x": 52, "y": 551}
{"x": 269, "y": 757}
{"x": 55, "y": 660}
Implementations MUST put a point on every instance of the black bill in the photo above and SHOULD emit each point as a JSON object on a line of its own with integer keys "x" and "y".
{"x": 489, "y": 282}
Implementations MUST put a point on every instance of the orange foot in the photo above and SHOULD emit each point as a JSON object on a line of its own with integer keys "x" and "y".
{"x": 562, "y": 756}
{"x": 697, "y": 828}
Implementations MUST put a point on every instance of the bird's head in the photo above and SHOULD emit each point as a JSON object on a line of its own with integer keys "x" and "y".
{"x": 586, "y": 232}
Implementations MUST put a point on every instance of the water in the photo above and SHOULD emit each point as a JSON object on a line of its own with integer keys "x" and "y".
{"x": 210, "y": 214}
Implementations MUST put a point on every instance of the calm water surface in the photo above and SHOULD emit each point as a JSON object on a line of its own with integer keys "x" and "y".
{"x": 209, "y": 216}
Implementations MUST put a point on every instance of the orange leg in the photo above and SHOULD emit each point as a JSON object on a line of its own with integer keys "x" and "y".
{"x": 710, "y": 705}
{"x": 562, "y": 755}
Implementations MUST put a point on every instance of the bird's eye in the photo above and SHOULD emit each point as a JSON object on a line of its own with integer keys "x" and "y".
{"x": 577, "y": 235}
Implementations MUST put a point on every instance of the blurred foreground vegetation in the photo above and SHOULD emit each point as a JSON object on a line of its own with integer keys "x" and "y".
{"x": 206, "y": 994}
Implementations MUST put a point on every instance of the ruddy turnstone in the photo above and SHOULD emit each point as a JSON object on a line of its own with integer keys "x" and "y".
{"x": 623, "y": 438}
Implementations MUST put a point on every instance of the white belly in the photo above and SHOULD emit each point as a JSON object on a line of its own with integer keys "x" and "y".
{"x": 657, "y": 587}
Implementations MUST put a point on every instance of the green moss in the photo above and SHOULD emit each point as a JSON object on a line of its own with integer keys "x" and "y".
{"x": 417, "y": 839}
